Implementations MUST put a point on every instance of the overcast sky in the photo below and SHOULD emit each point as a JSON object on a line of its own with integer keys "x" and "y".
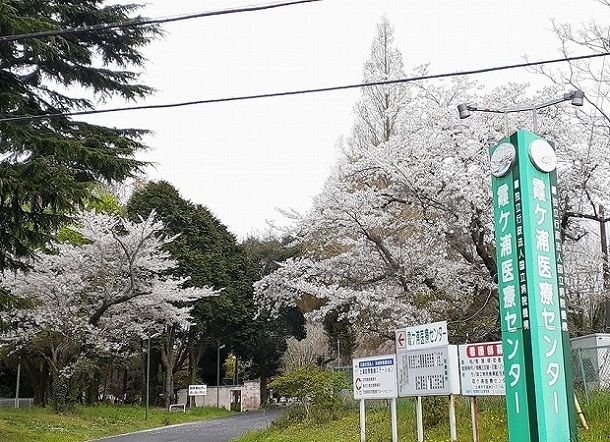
{"x": 244, "y": 159}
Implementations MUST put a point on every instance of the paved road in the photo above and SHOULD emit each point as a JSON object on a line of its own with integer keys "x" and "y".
{"x": 216, "y": 430}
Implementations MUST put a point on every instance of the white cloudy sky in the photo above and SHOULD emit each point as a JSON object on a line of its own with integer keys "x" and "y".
{"x": 244, "y": 159}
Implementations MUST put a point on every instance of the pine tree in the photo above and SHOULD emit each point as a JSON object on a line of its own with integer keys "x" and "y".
{"x": 47, "y": 165}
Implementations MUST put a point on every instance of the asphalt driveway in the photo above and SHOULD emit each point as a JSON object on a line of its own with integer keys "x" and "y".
{"x": 223, "y": 429}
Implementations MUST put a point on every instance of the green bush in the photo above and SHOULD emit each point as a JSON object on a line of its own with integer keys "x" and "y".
{"x": 436, "y": 410}
{"x": 316, "y": 392}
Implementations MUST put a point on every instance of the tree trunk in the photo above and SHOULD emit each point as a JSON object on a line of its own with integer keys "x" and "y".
{"x": 167, "y": 361}
{"x": 195, "y": 353}
{"x": 60, "y": 390}
{"x": 264, "y": 392}
{"x": 124, "y": 387}
{"x": 39, "y": 374}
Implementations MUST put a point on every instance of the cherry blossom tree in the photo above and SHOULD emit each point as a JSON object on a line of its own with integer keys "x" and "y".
{"x": 586, "y": 215}
{"x": 94, "y": 299}
{"x": 403, "y": 232}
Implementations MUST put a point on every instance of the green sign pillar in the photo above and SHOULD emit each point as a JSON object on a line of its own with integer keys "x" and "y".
{"x": 537, "y": 363}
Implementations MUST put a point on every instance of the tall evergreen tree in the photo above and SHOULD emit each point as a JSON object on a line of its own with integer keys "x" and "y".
{"x": 47, "y": 165}
{"x": 207, "y": 253}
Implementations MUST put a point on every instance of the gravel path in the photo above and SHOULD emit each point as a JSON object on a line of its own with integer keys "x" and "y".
{"x": 215, "y": 430}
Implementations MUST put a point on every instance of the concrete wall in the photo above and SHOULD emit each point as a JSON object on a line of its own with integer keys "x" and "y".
{"x": 250, "y": 396}
{"x": 224, "y": 397}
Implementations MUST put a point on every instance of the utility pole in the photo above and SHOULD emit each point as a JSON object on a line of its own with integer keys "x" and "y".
{"x": 147, "y": 377}
{"x": 605, "y": 267}
{"x": 218, "y": 347}
{"x": 235, "y": 370}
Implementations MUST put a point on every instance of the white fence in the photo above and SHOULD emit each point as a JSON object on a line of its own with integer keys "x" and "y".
{"x": 10, "y": 403}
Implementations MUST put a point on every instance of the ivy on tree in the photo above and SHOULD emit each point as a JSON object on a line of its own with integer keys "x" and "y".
{"x": 47, "y": 165}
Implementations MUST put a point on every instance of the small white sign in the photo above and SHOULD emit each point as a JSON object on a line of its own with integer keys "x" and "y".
{"x": 428, "y": 372}
{"x": 482, "y": 369}
{"x": 423, "y": 336}
{"x": 198, "y": 390}
{"x": 375, "y": 377}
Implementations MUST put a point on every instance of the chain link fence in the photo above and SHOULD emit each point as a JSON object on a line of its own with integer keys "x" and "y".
{"x": 591, "y": 367}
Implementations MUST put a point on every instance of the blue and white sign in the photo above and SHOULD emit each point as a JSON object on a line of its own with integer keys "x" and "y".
{"x": 375, "y": 377}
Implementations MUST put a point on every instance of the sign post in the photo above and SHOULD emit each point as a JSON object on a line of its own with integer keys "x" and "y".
{"x": 375, "y": 378}
{"x": 535, "y": 336}
{"x": 452, "y": 419}
{"x": 482, "y": 374}
{"x": 474, "y": 415}
{"x": 394, "y": 419}
{"x": 362, "y": 421}
{"x": 419, "y": 412}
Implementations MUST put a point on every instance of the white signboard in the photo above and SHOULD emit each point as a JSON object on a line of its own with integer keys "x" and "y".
{"x": 482, "y": 369}
{"x": 198, "y": 390}
{"x": 422, "y": 336}
{"x": 428, "y": 372}
{"x": 375, "y": 377}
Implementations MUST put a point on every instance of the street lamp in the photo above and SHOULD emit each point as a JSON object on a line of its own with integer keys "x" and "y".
{"x": 218, "y": 372}
{"x": 576, "y": 97}
{"x": 149, "y": 337}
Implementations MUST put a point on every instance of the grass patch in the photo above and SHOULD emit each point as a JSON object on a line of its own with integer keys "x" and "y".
{"x": 84, "y": 423}
{"x": 345, "y": 427}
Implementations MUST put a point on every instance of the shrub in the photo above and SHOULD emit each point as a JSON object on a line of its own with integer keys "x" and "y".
{"x": 436, "y": 410}
{"x": 313, "y": 388}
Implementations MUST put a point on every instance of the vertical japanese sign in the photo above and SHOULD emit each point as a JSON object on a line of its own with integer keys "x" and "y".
{"x": 534, "y": 322}
{"x": 513, "y": 301}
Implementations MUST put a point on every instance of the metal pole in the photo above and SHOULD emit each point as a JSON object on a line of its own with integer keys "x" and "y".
{"x": 583, "y": 375}
{"x": 235, "y": 371}
{"x": 420, "y": 420}
{"x": 217, "y": 374}
{"x": 506, "y": 131}
{"x": 17, "y": 387}
{"x": 605, "y": 266}
{"x": 581, "y": 415}
{"x": 474, "y": 414}
{"x": 452, "y": 420}
{"x": 362, "y": 421}
{"x": 147, "y": 376}
{"x": 394, "y": 417}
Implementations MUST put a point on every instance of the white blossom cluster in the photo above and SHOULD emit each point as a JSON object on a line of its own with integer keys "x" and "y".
{"x": 95, "y": 297}
{"x": 403, "y": 229}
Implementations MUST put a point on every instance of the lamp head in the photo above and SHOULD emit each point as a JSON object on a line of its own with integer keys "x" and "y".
{"x": 464, "y": 111}
{"x": 578, "y": 98}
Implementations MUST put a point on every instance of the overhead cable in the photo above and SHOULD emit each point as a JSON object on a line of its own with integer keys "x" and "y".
{"x": 144, "y": 21}
{"x": 304, "y": 91}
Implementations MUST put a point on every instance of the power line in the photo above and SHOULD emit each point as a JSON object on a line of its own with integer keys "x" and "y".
{"x": 303, "y": 91}
{"x": 145, "y": 22}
